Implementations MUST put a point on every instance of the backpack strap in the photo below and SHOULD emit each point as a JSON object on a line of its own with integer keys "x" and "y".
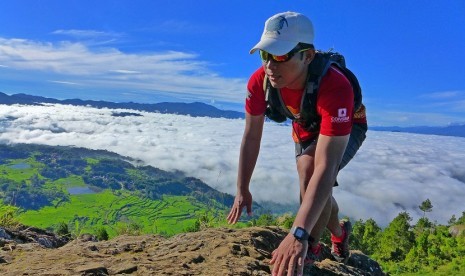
{"x": 316, "y": 70}
{"x": 310, "y": 119}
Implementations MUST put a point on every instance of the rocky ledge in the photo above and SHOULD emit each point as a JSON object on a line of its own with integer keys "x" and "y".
{"x": 219, "y": 251}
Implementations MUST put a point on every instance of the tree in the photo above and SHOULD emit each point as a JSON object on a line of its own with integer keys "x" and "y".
{"x": 396, "y": 240}
{"x": 423, "y": 224}
{"x": 452, "y": 220}
{"x": 36, "y": 182}
{"x": 371, "y": 236}
{"x": 102, "y": 234}
{"x": 286, "y": 220}
{"x": 366, "y": 236}
{"x": 266, "y": 219}
{"x": 461, "y": 220}
{"x": 63, "y": 230}
{"x": 426, "y": 206}
{"x": 356, "y": 239}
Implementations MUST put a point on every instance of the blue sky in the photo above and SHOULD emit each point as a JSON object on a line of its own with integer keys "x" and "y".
{"x": 408, "y": 55}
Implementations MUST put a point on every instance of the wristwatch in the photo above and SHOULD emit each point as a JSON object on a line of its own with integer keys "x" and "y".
{"x": 300, "y": 233}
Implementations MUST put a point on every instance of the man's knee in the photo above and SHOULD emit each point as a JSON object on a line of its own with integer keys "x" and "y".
{"x": 305, "y": 167}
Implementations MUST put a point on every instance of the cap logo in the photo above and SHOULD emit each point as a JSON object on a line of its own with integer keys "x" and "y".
{"x": 276, "y": 24}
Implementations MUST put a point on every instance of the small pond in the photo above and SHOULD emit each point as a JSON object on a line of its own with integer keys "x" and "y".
{"x": 20, "y": 166}
{"x": 80, "y": 190}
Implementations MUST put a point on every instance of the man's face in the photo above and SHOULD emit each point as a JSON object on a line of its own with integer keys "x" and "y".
{"x": 290, "y": 74}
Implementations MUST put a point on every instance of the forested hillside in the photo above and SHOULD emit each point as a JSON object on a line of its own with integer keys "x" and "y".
{"x": 404, "y": 247}
{"x": 48, "y": 186}
{"x": 422, "y": 248}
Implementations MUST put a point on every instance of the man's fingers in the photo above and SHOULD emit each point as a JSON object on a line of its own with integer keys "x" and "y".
{"x": 300, "y": 266}
{"x": 283, "y": 266}
{"x": 276, "y": 262}
{"x": 231, "y": 213}
{"x": 249, "y": 209}
{"x": 273, "y": 257}
{"x": 291, "y": 266}
{"x": 280, "y": 264}
{"x": 238, "y": 213}
{"x": 234, "y": 215}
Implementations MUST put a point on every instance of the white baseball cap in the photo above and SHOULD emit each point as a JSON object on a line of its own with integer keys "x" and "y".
{"x": 283, "y": 31}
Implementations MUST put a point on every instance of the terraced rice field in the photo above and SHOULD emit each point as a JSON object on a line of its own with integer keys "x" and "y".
{"x": 171, "y": 215}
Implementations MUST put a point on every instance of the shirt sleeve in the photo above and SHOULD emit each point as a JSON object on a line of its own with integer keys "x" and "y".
{"x": 335, "y": 104}
{"x": 255, "y": 103}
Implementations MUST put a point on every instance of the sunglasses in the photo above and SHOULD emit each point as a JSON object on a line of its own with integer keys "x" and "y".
{"x": 265, "y": 56}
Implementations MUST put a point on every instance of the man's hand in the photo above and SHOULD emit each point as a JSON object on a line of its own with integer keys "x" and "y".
{"x": 242, "y": 200}
{"x": 290, "y": 255}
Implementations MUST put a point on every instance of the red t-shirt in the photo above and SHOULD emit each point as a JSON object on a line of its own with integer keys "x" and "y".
{"x": 335, "y": 103}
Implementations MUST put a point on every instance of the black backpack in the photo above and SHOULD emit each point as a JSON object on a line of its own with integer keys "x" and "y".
{"x": 310, "y": 119}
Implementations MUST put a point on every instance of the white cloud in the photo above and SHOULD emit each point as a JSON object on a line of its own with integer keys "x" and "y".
{"x": 446, "y": 101}
{"x": 64, "y": 82}
{"x": 444, "y": 94}
{"x": 85, "y": 33}
{"x": 178, "y": 73}
{"x": 391, "y": 173}
{"x": 121, "y": 71}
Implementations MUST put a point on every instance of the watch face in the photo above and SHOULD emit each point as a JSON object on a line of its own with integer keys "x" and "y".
{"x": 299, "y": 232}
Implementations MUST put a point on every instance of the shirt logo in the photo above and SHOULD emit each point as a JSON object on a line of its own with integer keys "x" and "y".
{"x": 341, "y": 116}
{"x": 342, "y": 112}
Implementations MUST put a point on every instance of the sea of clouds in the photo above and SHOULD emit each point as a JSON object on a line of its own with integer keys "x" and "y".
{"x": 392, "y": 172}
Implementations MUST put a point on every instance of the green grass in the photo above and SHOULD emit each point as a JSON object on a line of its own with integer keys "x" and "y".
{"x": 22, "y": 174}
{"x": 68, "y": 182}
{"x": 8, "y": 216}
{"x": 439, "y": 272}
{"x": 90, "y": 161}
{"x": 171, "y": 215}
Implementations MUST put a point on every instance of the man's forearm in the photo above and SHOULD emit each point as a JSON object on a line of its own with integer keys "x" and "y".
{"x": 247, "y": 160}
{"x": 328, "y": 155}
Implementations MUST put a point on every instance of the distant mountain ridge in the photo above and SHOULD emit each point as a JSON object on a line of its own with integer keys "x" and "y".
{"x": 451, "y": 130}
{"x": 195, "y": 109}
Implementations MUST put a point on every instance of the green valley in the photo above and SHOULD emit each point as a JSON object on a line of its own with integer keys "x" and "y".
{"x": 86, "y": 189}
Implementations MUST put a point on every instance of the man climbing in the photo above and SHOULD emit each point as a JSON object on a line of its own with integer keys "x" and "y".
{"x": 327, "y": 131}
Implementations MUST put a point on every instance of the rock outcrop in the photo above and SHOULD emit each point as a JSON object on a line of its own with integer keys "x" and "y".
{"x": 219, "y": 251}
